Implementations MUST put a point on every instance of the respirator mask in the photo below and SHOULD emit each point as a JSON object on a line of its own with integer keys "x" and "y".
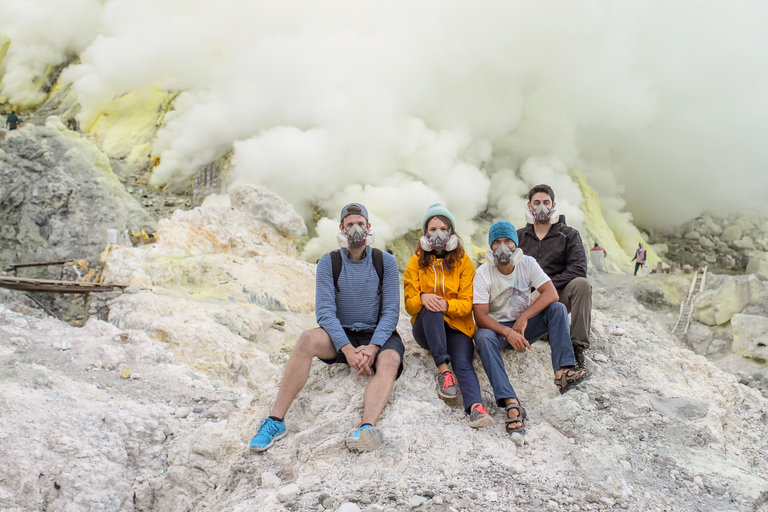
{"x": 355, "y": 237}
{"x": 439, "y": 242}
{"x": 542, "y": 215}
{"x": 504, "y": 256}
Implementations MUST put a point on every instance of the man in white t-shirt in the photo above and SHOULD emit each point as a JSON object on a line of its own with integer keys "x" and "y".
{"x": 506, "y": 318}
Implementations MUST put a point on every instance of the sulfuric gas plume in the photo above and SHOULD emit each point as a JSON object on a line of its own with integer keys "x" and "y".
{"x": 661, "y": 104}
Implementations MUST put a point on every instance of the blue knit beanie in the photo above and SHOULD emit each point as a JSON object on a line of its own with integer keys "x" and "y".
{"x": 437, "y": 209}
{"x": 502, "y": 229}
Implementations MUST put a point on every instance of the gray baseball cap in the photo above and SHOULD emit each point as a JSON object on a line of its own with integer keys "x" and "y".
{"x": 355, "y": 207}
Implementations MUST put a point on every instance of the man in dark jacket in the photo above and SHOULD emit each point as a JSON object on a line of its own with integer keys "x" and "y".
{"x": 559, "y": 251}
{"x": 12, "y": 121}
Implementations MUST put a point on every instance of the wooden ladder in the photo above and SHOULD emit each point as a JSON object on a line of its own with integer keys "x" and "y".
{"x": 686, "y": 308}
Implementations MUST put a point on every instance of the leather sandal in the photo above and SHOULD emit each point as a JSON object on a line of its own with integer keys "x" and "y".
{"x": 520, "y": 418}
{"x": 571, "y": 376}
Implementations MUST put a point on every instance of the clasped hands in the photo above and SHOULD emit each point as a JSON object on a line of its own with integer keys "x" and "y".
{"x": 361, "y": 358}
{"x": 434, "y": 302}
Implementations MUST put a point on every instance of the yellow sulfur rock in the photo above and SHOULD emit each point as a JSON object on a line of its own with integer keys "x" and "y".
{"x": 5, "y": 43}
{"x": 126, "y": 127}
{"x": 619, "y": 246}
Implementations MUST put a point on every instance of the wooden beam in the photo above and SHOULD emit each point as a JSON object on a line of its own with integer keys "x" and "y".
{"x": 48, "y": 285}
{"x": 14, "y": 266}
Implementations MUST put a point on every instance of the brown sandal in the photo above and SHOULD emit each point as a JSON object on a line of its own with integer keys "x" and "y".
{"x": 520, "y": 418}
{"x": 571, "y": 376}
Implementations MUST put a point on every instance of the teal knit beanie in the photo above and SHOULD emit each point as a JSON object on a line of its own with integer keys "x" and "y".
{"x": 437, "y": 209}
{"x": 502, "y": 229}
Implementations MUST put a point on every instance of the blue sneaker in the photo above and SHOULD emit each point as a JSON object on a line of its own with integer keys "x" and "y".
{"x": 269, "y": 432}
{"x": 365, "y": 439}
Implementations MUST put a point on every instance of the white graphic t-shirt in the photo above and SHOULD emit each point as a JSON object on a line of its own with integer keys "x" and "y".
{"x": 507, "y": 296}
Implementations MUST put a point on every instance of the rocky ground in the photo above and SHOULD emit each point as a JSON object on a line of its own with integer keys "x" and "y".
{"x": 724, "y": 241}
{"x": 154, "y": 410}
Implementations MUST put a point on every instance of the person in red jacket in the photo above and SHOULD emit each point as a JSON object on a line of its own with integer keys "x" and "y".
{"x": 560, "y": 253}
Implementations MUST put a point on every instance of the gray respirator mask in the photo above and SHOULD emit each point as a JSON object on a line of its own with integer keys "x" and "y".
{"x": 355, "y": 237}
{"x": 439, "y": 242}
{"x": 542, "y": 215}
{"x": 504, "y": 256}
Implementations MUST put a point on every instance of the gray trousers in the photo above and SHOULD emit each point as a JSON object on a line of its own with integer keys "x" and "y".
{"x": 577, "y": 297}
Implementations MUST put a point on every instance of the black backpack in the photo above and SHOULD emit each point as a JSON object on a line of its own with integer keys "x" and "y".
{"x": 378, "y": 264}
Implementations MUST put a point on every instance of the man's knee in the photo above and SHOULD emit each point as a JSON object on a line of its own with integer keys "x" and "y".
{"x": 484, "y": 339}
{"x": 311, "y": 343}
{"x": 388, "y": 362}
{"x": 556, "y": 309}
{"x": 581, "y": 287}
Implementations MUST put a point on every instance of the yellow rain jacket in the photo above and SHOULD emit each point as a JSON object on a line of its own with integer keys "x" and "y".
{"x": 454, "y": 287}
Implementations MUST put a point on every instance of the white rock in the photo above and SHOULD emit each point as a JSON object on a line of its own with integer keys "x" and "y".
{"x": 270, "y": 480}
{"x": 731, "y": 234}
{"x": 758, "y": 264}
{"x": 288, "y": 493}
{"x": 600, "y": 357}
{"x": 618, "y": 331}
{"x": 351, "y": 507}
{"x": 416, "y": 501}
{"x": 750, "y": 336}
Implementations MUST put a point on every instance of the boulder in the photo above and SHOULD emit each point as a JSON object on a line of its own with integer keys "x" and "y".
{"x": 758, "y": 264}
{"x": 58, "y": 197}
{"x": 750, "y": 337}
{"x": 717, "y": 306}
{"x": 731, "y": 234}
{"x": 266, "y": 206}
{"x": 745, "y": 243}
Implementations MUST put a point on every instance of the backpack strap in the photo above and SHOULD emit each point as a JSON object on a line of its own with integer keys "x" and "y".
{"x": 378, "y": 264}
{"x": 336, "y": 262}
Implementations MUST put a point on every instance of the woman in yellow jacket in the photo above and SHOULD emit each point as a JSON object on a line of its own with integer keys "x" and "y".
{"x": 438, "y": 296}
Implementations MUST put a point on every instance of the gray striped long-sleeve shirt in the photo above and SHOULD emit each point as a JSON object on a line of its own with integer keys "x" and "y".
{"x": 356, "y": 305}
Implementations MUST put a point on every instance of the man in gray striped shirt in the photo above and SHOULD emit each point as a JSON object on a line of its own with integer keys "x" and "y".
{"x": 357, "y": 327}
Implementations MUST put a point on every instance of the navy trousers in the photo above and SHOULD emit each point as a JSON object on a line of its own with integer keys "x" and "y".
{"x": 447, "y": 345}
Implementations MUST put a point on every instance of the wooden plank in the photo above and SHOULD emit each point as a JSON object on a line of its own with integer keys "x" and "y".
{"x": 48, "y": 285}
{"x": 14, "y": 266}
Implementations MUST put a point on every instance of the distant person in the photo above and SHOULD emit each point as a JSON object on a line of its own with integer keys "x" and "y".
{"x": 598, "y": 259}
{"x": 639, "y": 258}
{"x": 506, "y": 318}
{"x": 598, "y": 248}
{"x": 357, "y": 320}
{"x": 438, "y": 296}
{"x": 559, "y": 251}
{"x": 12, "y": 121}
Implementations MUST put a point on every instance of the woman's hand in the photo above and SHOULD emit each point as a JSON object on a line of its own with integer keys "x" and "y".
{"x": 433, "y": 302}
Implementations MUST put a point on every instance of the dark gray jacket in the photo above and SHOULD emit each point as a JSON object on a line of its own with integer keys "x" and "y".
{"x": 560, "y": 253}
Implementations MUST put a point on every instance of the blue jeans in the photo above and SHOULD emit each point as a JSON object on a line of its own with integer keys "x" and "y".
{"x": 554, "y": 319}
{"x": 447, "y": 345}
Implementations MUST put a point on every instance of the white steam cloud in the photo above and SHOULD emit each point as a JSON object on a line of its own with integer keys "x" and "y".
{"x": 43, "y": 33}
{"x": 662, "y": 104}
